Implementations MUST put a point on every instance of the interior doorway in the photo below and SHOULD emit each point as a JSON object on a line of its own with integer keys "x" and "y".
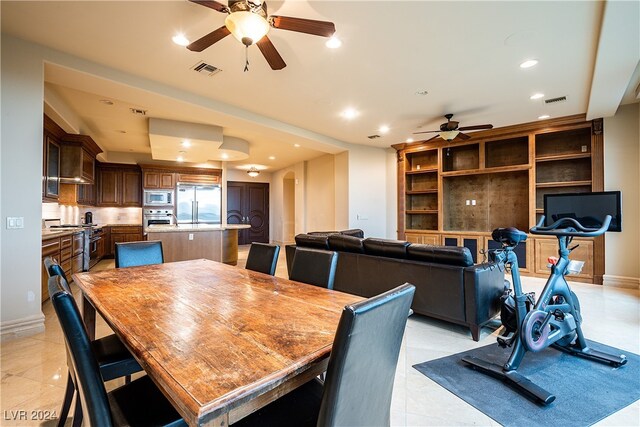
{"x": 288, "y": 207}
{"x": 248, "y": 203}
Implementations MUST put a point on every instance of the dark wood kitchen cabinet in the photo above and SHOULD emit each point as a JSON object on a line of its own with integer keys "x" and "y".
{"x": 86, "y": 195}
{"x": 118, "y": 185}
{"x": 159, "y": 180}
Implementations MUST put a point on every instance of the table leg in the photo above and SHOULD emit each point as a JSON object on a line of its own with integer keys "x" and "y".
{"x": 89, "y": 317}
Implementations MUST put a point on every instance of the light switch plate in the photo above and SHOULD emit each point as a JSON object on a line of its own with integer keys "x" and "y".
{"x": 14, "y": 222}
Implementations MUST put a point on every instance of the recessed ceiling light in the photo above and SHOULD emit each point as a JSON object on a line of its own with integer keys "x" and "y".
{"x": 224, "y": 156}
{"x": 333, "y": 43}
{"x": 544, "y": 116}
{"x": 186, "y": 143}
{"x": 529, "y": 63}
{"x": 180, "y": 39}
{"x": 296, "y": 145}
{"x": 106, "y": 101}
{"x": 350, "y": 113}
{"x": 537, "y": 96}
{"x": 383, "y": 129}
{"x": 272, "y": 157}
{"x": 180, "y": 159}
{"x": 409, "y": 140}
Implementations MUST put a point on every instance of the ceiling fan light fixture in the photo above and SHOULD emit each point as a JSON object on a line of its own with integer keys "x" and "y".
{"x": 333, "y": 43}
{"x": 449, "y": 135}
{"x": 247, "y": 27}
{"x": 253, "y": 172}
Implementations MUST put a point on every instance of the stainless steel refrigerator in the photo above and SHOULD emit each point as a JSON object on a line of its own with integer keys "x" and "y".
{"x": 198, "y": 204}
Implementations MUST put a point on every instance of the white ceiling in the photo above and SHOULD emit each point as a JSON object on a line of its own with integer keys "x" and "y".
{"x": 465, "y": 54}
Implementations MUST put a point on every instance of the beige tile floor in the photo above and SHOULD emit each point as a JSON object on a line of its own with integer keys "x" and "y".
{"x": 34, "y": 369}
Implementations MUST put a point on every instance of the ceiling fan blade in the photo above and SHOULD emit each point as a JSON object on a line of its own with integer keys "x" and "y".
{"x": 308, "y": 26}
{"x": 476, "y": 127}
{"x": 463, "y": 136}
{"x": 271, "y": 54}
{"x": 212, "y": 5}
{"x": 427, "y": 131}
{"x": 211, "y": 38}
{"x": 431, "y": 139}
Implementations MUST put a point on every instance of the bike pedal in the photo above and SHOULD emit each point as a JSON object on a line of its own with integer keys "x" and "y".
{"x": 505, "y": 341}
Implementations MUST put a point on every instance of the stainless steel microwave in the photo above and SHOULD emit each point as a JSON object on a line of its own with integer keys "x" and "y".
{"x": 158, "y": 198}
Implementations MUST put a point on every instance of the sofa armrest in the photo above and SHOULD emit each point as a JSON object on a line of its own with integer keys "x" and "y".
{"x": 483, "y": 286}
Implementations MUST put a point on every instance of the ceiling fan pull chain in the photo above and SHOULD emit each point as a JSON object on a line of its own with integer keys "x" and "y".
{"x": 246, "y": 57}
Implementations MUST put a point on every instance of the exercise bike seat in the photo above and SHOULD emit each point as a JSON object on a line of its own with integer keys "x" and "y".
{"x": 510, "y": 235}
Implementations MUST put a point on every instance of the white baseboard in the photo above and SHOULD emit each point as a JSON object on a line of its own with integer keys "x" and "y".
{"x": 621, "y": 281}
{"x": 26, "y": 326}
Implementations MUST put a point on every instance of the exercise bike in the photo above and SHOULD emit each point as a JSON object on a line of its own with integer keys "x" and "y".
{"x": 554, "y": 320}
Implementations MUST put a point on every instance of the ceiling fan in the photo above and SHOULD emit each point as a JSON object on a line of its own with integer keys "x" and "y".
{"x": 249, "y": 23}
{"x": 450, "y": 130}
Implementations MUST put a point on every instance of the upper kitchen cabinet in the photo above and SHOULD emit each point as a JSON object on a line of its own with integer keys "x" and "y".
{"x": 156, "y": 179}
{"x": 52, "y": 134}
{"x": 118, "y": 185}
{"x": 78, "y": 156}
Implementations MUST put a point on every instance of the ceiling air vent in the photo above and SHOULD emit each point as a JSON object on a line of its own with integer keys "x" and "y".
{"x": 206, "y": 69}
{"x": 555, "y": 100}
{"x": 373, "y": 136}
{"x": 138, "y": 111}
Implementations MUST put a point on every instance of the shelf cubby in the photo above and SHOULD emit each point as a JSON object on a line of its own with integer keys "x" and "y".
{"x": 461, "y": 157}
{"x": 422, "y": 161}
{"x": 573, "y": 170}
{"x": 422, "y": 182}
{"x": 575, "y": 141}
{"x": 422, "y": 221}
{"x": 507, "y": 152}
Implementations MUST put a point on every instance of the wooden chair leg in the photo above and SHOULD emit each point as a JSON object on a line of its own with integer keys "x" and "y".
{"x": 66, "y": 403}
{"x": 475, "y": 332}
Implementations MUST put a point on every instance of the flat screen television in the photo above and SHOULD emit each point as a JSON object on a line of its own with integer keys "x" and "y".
{"x": 589, "y": 209}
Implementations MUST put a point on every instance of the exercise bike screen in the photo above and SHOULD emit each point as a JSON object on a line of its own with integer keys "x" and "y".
{"x": 589, "y": 209}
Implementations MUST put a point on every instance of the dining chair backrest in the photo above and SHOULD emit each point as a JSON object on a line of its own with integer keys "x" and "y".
{"x": 263, "y": 258}
{"x": 54, "y": 269}
{"x": 132, "y": 254}
{"x": 362, "y": 365}
{"x": 86, "y": 372}
{"x": 314, "y": 266}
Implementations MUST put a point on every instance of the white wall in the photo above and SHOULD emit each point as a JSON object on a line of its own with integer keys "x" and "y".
{"x": 320, "y": 193}
{"x": 289, "y": 209}
{"x": 621, "y": 172}
{"x": 279, "y": 229}
{"x": 368, "y": 190}
{"x": 21, "y": 171}
{"x": 341, "y": 168}
{"x": 392, "y": 193}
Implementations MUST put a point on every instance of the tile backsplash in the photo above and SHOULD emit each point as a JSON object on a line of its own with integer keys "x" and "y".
{"x": 75, "y": 214}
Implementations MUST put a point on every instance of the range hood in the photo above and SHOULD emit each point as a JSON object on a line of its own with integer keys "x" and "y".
{"x": 77, "y": 159}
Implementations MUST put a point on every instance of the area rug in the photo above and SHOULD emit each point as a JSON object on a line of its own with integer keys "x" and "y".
{"x": 586, "y": 391}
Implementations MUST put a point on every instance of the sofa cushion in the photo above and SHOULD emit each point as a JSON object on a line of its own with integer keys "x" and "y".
{"x": 386, "y": 248}
{"x": 450, "y": 255}
{"x": 312, "y": 241}
{"x": 322, "y": 233}
{"x": 345, "y": 243}
{"x": 355, "y": 232}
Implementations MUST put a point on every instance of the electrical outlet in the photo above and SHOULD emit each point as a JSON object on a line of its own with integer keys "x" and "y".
{"x": 190, "y": 236}
{"x": 467, "y": 202}
{"x": 584, "y": 148}
{"x": 361, "y": 217}
{"x": 473, "y": 202}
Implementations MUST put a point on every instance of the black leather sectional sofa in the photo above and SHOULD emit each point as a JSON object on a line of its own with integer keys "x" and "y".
{"x": 448, "y": 285}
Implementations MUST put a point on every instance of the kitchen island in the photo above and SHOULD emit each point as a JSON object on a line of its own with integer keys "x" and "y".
{"x": 193, "y": 241}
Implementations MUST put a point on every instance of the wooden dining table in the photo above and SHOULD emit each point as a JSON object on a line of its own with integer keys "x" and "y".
{"x": 219, "y": 341}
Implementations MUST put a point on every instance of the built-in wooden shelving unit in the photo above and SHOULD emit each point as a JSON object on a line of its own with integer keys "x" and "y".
{"x": 456, "y": 193}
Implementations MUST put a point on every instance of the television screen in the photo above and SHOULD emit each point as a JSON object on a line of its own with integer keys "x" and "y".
{"x": 589, "y": 209}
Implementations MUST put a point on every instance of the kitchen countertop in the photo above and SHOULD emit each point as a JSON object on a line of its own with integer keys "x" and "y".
{"x": 50, "y": 233}
{"x": 193, "y": 227}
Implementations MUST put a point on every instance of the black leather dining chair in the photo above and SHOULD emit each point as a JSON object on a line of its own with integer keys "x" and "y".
{"x": 134, "y": 404}
{"x": 133, "y": 254}
{"x": 362, "y": 367}
{"x": 263, "y": 258}
{"x": 314, "y": 267}
{"x": 113, "y": 358}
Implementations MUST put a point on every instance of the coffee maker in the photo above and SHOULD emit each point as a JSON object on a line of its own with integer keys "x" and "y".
{"x": 88, "y": 218}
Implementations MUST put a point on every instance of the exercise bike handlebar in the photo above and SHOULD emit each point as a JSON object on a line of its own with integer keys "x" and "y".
{"x": 569, "y": 227}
